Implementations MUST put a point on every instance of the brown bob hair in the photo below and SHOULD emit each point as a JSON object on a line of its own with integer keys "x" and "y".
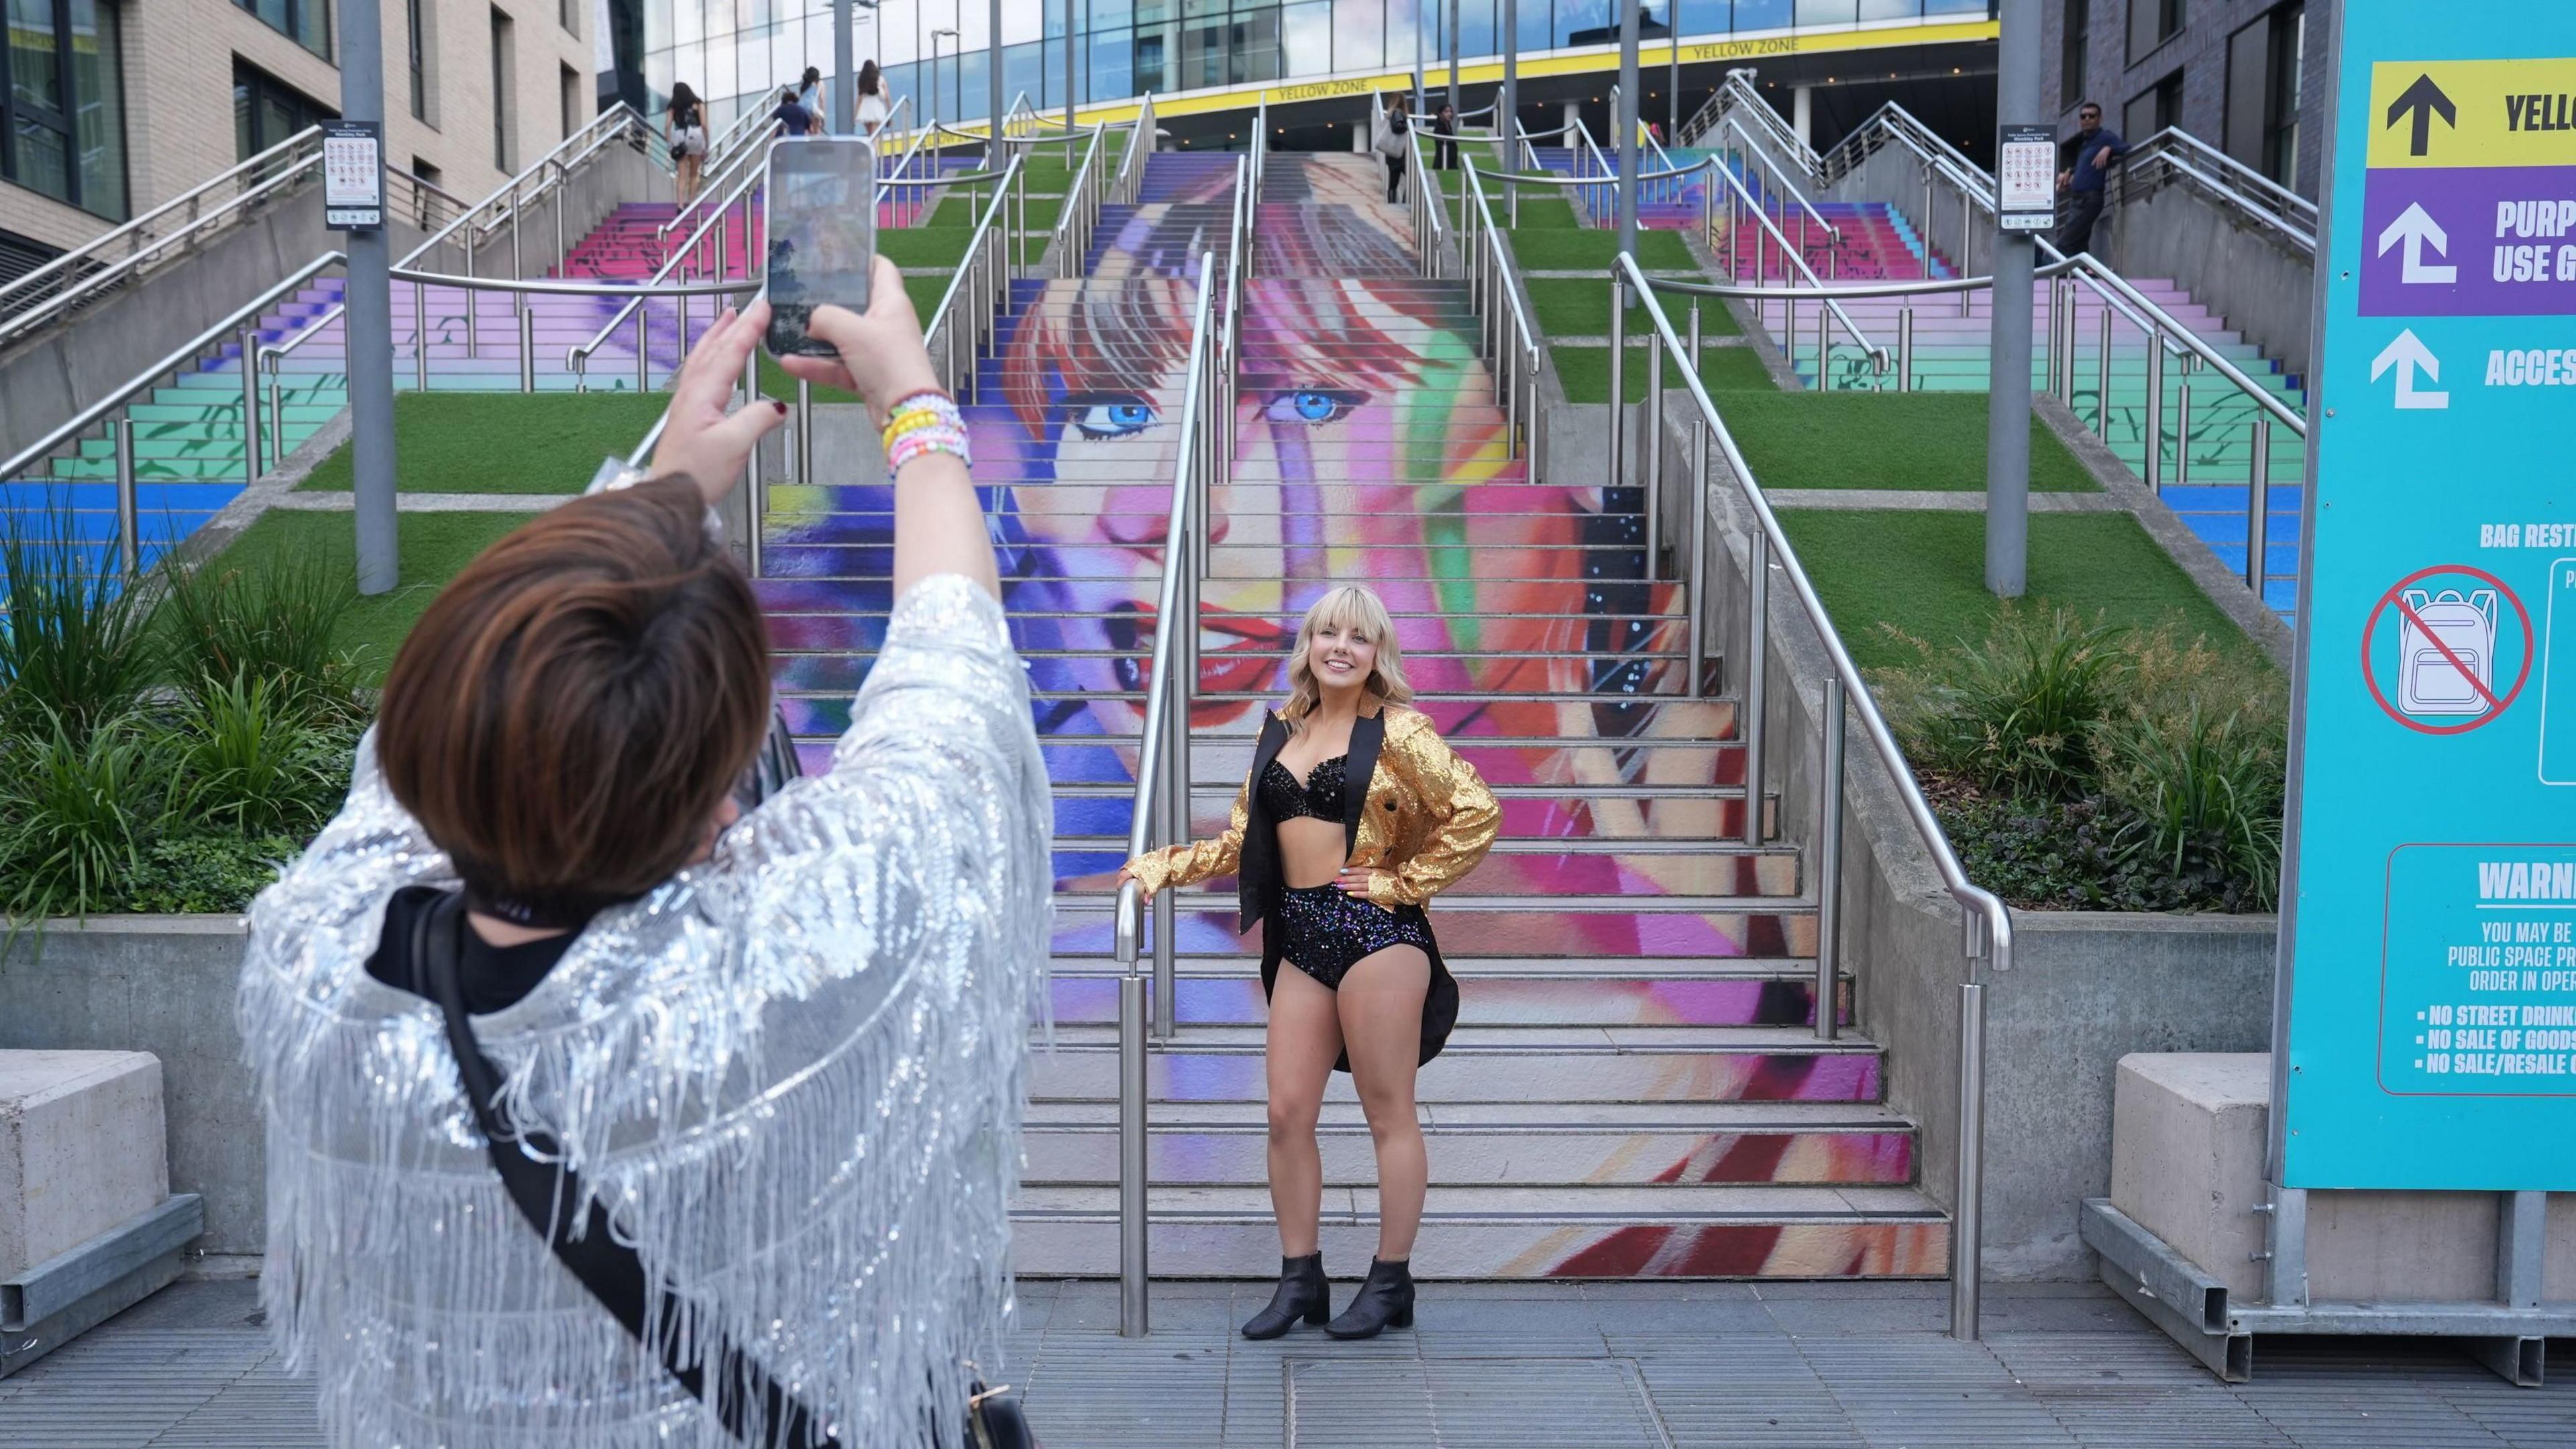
{"x": 570, "y": 712}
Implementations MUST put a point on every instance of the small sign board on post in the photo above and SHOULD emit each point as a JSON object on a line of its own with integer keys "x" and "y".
{"x": 353, "y": 175}
{"x": 2025, "y": 178}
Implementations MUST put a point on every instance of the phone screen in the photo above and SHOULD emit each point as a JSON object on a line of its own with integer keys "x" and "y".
{"x": 822, "y": 230}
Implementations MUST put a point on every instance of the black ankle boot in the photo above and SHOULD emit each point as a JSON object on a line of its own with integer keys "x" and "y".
{"x": 1303, "y": 1293}
{"x": 1384, "y": 1301}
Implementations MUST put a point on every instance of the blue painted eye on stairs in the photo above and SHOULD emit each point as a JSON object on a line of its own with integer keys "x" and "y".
{"x": 1115, "y": 418}
{"x": 1310, "y": 406}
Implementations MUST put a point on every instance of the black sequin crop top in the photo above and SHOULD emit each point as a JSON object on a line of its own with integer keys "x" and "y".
{"x": 1321, "y": 797}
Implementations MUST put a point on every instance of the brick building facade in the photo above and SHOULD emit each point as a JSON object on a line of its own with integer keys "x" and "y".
{"x": 2247, "y": 76}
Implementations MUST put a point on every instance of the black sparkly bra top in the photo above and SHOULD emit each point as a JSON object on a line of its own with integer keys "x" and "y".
{"x": 1321, "y": 797}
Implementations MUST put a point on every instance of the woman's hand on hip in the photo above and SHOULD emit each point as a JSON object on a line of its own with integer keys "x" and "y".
{"x": 701, "y": 439}
{"x": 882, "y": 357}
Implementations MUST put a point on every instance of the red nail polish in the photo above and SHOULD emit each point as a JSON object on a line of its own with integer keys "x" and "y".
{"x": 782, "y": 407}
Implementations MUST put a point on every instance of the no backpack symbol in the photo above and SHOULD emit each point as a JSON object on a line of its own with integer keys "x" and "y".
{"x": 2455, "y": 627}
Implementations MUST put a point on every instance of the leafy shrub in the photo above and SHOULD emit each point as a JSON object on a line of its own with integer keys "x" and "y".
{"x": 76, "y": 807}
{"x": 272, "y": 623}
{"x": 2080, "y": 767}
{"x": 2017, "y": 712}
{"x": 76, "y": 651}
{"x": 164, "y": 756}
{"x": 2206, "y": 801}
{"x": 259, "y": 766}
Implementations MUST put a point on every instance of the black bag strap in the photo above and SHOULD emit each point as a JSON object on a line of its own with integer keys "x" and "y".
{"x": 546, "y": 1194}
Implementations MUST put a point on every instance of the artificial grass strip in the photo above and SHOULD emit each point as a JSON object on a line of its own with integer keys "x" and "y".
{"x": 480, "y": 442}
{"x": 1580, "y": 307}
{"x": 1591, "y": 250}
{"x": 434, "y": 547}
{"x": 1537, "y": 214}
{"x": 928, "y": 246}
{"x": 1585, "y": 372}
{"x": 965, "y": 211}
{"x": 1921, "y": 440}
{"x": 1922, "y": 572}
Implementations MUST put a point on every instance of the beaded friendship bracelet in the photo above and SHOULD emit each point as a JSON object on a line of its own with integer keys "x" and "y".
{"x": 926, "y": 422}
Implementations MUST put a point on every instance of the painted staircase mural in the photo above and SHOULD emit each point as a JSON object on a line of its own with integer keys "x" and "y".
{"x": 1635, "y": 1088}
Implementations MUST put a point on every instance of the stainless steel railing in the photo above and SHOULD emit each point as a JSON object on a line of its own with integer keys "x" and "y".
{"x": 1506, "y": 337}
{"x": 690, "y": 256}
{"x": 1988, "y": 928}
{"x": 1140, "y": 146}
{"x": 967, "y": 313}
{"x": 1161, "y": 809}
{"x": 2175, "y": 156}
{"x": 504, "y": 207}
{"x": 1081, "y": 215}
{"x": 242, "y": 322}
{"x": 1747, "y": 154}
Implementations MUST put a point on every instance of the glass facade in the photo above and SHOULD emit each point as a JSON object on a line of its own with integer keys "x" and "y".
{"x": 62, "y": 120}
{"x": 738, "y": 51}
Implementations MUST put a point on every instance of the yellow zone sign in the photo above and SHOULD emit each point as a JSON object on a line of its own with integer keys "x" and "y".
{"x": 1583, "y": 62}
{"x": 2473, "y": 113}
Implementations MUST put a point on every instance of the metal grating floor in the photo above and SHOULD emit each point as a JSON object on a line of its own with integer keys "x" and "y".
{"x": 1496, "y": 1366}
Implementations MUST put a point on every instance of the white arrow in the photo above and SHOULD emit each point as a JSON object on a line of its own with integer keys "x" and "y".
{"x": 2406, "y": 354}
{"x": 2417, "y": 230}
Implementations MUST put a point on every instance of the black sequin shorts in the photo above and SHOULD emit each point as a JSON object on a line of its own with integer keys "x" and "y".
{"x": 1325, "y": 932}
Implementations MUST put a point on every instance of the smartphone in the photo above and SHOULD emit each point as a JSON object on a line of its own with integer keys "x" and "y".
{"x": 819, "y": 213}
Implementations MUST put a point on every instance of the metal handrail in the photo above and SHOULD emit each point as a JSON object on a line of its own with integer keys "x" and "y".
{"x": 1797, "y": 256}
{"x": 1608, "y": 174}
{"x": 1430, "y": 229}
{"x": 1737, "y": 91}
{"x": 1989, "y": 928}
{"x": 1140, "y": 144}
{"x": 1512, "y": 342}
{"x": 240, "y": 320}
{"x": 985, "y": 270}
{"x": 2178, "y": 153}
{"x": 1161, "y": 808}
{"x": 608, "y": 126}
{"x": 1073, "y": 228}
{"x": 295, "y": 156}
{"x": 1779, "y": 174}
{"x": 577, "y": 357}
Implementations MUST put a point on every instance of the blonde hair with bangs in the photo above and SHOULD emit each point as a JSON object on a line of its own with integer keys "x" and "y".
{"x": 1355, "y": 607}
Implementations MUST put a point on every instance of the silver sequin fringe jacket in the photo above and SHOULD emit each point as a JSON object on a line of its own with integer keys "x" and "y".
{"x": 793, "y": 1074}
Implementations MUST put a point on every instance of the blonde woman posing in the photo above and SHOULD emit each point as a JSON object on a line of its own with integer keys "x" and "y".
{"x": 1355, "y": 815}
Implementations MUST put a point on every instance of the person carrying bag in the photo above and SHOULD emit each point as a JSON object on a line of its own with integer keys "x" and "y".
{"x": 1392, "y": 137}
{"x": 622, "y": 1088}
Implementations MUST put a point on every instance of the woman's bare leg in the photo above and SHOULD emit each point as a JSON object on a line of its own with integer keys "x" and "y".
{"x": 1381, "y": 1018}
{"x": 1305, "y": 1039}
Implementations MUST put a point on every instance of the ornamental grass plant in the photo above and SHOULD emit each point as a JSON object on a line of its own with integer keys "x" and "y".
{"x": 164, "y": 746}
{"x": 2080, "y": 766}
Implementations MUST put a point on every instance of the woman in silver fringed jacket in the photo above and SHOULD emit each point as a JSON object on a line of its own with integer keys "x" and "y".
{"x": 785, "y": 1053}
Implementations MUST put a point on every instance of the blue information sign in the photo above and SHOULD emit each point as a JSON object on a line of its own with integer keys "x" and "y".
{"x": 2428, "y": 1037}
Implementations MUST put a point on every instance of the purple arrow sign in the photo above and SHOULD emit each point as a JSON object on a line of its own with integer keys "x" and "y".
{"x": 2476, "y": 241}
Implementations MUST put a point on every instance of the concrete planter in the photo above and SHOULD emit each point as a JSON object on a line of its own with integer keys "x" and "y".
{"x": 164, "y": 985}
{"x": 2087, "y": 988}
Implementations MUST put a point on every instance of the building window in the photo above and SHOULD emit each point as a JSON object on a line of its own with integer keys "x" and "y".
{"x": 63, "y": 131}
{"x": 571, "y": 101}
{"x": 2153, "y": 109}
{"x": 2071, "y": 77}
{"x": 267, "y": 110}
{"x": 2152, "y": 23}
{"x": 308, "y": 21}
{"x": 501, "y": 109}
{"x": 2289, "y": 27}
{"x": 416, "y": 52}
{"x": 568, "y": 14}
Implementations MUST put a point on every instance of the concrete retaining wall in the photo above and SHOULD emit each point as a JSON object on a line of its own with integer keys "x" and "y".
{"x": 2086, "y": 988}
{"x": 2261, "y": 284}
{"x": 164, "y": 985}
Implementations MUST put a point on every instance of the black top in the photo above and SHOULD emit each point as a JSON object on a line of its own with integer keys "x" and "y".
{"x": 494, "y": 977}
{"x": 1320, "y": 798}
{"x": 793, "y": 117}
{"x": 684, "y": 115}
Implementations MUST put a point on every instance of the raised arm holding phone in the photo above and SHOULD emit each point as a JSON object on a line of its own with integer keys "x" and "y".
{"x": 600, "y": 1109}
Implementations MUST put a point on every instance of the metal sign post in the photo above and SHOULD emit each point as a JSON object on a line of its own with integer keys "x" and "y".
{"x": 353, "y": 199}
{"x": 2022, "y": 194}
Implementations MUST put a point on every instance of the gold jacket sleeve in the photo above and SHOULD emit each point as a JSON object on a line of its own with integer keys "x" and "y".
{"x": 1200, "y": 859}
{"x": 1464, "y": 821}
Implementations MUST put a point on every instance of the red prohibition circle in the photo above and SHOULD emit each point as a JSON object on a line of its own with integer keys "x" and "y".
{"x": 2397, "y": 589}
